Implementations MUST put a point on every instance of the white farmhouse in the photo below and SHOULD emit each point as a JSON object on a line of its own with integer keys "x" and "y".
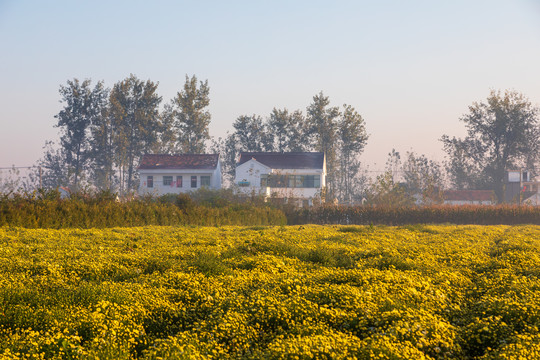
{"x": 293, "y": 175}
{"x": 174, "y": 174}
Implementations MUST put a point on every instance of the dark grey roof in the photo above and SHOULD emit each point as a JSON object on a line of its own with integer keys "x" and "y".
{"x": 183, "y": 161}
{"x": 289, "y": 160}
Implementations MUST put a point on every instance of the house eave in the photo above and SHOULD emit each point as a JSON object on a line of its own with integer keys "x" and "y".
{"x": 176, "y": 171}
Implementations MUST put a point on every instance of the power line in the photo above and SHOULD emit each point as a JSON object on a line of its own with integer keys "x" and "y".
{"x": 17, "y": 167}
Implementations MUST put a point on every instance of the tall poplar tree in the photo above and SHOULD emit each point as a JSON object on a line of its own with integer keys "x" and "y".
{"x": 169, "y": 135}
{"x": 102, "y": 151}
{"x": 352, "y": 140}
{"x": 250, "y": 134}
{"x": 135, "y": 120}
{"x": 322, "y": 121}
{"x": 191, "y": 116}
{"x": 287, "y": 130}
{"x": 82, "y": 107}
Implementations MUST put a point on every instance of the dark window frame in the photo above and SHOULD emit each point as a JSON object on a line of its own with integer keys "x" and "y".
{"x": 205, "y": 177}
{"x": 167, "y": 180}
{"x": 264, "y": 180}
{"x": 291, "y": 181}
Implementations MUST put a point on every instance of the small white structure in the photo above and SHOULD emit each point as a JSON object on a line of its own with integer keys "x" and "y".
{"x": 533, "y": 200}
{"x": 162, "y": 174}
{"x": 293, "y": 175}
{"x": 518, "y": 186}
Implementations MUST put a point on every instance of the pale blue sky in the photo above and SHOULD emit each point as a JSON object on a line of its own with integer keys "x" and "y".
{"x": 410, "y": 68}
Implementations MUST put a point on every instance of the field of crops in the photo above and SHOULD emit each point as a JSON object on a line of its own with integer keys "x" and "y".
{"x": 298, "y": 292}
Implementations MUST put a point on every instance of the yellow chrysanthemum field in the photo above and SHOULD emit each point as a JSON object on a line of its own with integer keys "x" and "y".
{"x": 282, "y": 292}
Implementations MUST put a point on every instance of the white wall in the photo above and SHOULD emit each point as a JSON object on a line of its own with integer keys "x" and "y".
{"x": 215, "y": 181}
{"x": 159, "y": 189}
{"x": 251, "y": 171}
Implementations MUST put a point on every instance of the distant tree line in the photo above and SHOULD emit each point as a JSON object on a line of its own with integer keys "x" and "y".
{"x": 103, "y": 133}
{"x": 503, "y": 134}
{"x": 338, "y": 132}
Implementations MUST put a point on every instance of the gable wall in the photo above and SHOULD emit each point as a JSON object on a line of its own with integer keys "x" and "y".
{"x": 251, "y": 171}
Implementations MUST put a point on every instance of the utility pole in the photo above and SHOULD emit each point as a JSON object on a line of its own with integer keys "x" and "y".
{"x": 40, "y": 178}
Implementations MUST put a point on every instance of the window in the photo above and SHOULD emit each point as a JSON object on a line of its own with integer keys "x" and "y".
{"x": 312, "y": 181}
{"x": 179, "y": 181}
{"x": 150, "y": 181}
{"x": 296, "y": 181}
{"x": 194, "y": 181}
{"x": 277, "y": 181}
{"x": 291, "y": 181}
{"x": 205, "y": 181}
{"x": 167, "y": 180}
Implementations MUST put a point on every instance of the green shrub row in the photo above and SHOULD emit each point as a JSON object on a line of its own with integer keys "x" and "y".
{"x": 104, "y": 211}
{"x": 436, "y": 214}
{"x": 211, "y": 208}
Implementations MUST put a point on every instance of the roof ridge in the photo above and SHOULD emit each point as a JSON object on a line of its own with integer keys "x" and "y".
{"x": 179, "y": 161}
{"x": 285, "y": 160}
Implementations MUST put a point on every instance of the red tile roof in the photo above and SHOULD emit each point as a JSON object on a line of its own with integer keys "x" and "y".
{"x": 289, "y": 160}
{"x": 183, "y": 161}
{"x": 468, "y": 195}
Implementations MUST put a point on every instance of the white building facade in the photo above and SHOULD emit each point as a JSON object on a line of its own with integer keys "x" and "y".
{"x": 295, "y": 175}
{"x": 162, "y": 174}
